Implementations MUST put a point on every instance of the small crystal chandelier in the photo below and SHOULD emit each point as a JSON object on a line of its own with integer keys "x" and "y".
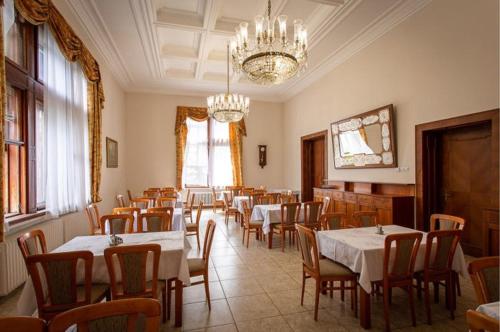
{"x": 228, "y": 107}
{"x": 267, "y": 60}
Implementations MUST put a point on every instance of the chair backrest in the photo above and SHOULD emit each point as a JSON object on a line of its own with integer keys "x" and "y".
{"x": 129, "y": 194}
{"x": 445, "y": 222}
{"x": 168, "y": 193}
{"x": 264, "y": 199}
{"x": 114, "y": 316}
{"x": 142, "y": 202}
{"x": 121, "y": 201}
{"x": 308, "y": 248}
{"x": 247, "y": 191}
{"x": 227, "y": 200}
{"x": 133, "y": 211}
{"x": 199, "y": 212}
{"x": 155, "y": 221}
{"x": 260, "y": 191}
{"x": 151, "y": 193}
{"x": 276, "y": 198}
{"x": 118, "y": 223}
{"x": 207, "y": 244}
{"x": 58, "y": 272}
{"x": 399, "y": 262}
{"x": 157, "y": 189}
{"x": 235, "y": 191}
{"x": 22, "y": 324}
{"x": 32, "y": 243}
{"x": 484, "y": 275}
{"x": 440, "y": 258}
{"x": 287, "y": 198}
{"x": 247, "y": 213}
{"x": 479, "y": 322}
{"x": 167, "y": 189}
{"x": 326, "y": 204}
{"x": 92, "y": 213}
{"x": 133, "y": 266}
{"x": 253, "y": 199}
{"x": 214, "y": 195}
{"x": 290, "y": 213}
{"x": 191, "y": 202}
{"x": 365, "y": 218}
{"x": 331, "y": 221}
{"x": 188, "y": 196}
{"x": 166, "y": 201}
{"x": 312, "y": 212}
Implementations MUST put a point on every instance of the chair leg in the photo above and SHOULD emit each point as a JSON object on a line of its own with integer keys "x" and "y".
{"x": 283, "y": 241}
{"x": 316, "y": 300}
{"x": 248, "y": 237}
{"x": 169, "y": 297}
{"x": 390, "y": 295}
{"x": 386, "y": 310}
{"x": 419, "y": 287}
{"x": 207, "y": 290}
{"x": 164, "y": 303}
{"x": 427, "y": 300}
{"x": 243, "y": 237}
{"x": 457, "y": 281}
{"x": 436, "y": 292}
{"x": 198, "y": 238}
{"x": 332, "y": 284}
{"x": 355, "y": 283}
{"x": 303, "y": 287}
{"x": 342, "y": 290}
{"x": 450, "y": 285}
{"x": 412, "y": 305}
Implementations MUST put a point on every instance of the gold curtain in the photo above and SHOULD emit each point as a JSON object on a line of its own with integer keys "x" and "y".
{"x": 43, "y": 11}
{"x": 2, "y": 107}
{"x": 236, "y": 131}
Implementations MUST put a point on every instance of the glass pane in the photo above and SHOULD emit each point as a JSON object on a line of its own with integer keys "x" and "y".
{"x": 40, "y": 155}
{"x": 13, "y": 178}
{"x": 13, "y": 113}
{"x": 14, "y": 44}
{"x": 195, "y": 172}
{"x": 42, "y": 47}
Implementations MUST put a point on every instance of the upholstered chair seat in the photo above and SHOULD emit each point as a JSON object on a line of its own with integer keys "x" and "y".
{"x": 191, "y": 226}
{"x": 196, "y": 265}
{"x": 328, "y": 268}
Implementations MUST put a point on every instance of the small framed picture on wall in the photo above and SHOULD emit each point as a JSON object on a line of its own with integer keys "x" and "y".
{"x": 111, "y": 153}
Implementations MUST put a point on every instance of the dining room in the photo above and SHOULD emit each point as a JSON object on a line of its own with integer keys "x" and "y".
{"x": 231, "y": 165}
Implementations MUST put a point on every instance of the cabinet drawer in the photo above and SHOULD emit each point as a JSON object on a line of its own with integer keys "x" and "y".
{"x": 351, "y": 198}
{"x": 365, "y": 200}
{"x": 337, "y": 196}
{"x": 383, "y": 203}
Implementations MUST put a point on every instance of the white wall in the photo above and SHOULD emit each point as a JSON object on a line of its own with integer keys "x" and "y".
{"x": 440, "y": 63}
{"x": 151, "y": 140}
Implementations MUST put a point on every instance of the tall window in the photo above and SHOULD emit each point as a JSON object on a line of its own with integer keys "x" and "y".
{"x": 207, "y": 158}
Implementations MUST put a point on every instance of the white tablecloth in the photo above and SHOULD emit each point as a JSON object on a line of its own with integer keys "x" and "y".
{"x": 173, "y": 260}
{"x": 490, "y": 309}
{"x": 238, "y": 200}
{"x": 362, "y": 251}
{"x": 271, "y": 214}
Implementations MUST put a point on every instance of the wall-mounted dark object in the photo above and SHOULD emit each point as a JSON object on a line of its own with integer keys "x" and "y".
{"x": 262, "y": 155}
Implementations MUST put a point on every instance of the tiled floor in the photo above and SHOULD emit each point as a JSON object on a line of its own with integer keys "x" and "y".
{"x": 257, "y": 289}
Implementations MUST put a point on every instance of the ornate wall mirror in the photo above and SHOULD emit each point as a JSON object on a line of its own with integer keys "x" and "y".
{"x": 366, "y": 140}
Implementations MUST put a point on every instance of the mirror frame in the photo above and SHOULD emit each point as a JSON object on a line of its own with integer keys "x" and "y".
{"x": 387, "y": 159}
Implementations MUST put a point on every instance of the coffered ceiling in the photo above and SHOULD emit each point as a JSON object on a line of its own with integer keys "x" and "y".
{"x": 178, "y": 46}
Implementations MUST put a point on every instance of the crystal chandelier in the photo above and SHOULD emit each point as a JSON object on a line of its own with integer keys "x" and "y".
{"x": 228, "y": 107}
{"x": 266, "y": 59}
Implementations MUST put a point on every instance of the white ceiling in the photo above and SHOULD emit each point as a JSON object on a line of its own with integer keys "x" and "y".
{"x": 178, "y": 46}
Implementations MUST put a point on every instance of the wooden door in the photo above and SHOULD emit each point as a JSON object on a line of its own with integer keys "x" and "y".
{"x": 314, "y": 166}
{"x": 464, "y": 179}
{"x": 318, "y": 162}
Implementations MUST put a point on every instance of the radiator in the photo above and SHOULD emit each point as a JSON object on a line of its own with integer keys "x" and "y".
{"x": 205, "y": 197}
{"x": 13, "y": 270}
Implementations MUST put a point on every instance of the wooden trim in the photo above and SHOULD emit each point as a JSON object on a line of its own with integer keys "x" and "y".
{"x": 311, "y": 137}
{"x": 422, "y": 136}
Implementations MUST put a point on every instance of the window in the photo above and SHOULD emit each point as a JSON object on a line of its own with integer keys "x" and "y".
{"x": 207, "y": 158}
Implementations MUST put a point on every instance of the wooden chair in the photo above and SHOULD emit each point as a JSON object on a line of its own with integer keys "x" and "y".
{"x": 142, "y": 202}
{"x": 155, "y": 221}
{"x": 118, "y": 223}
{"x": 92, "y": 213}
{"x": 289, "y": 217}
{"x": 32, "y": 243}
{"x": 133, "y": 266}
{"x": 60, "y": 277}
{"x": 276, "y": 198}
{"x": 22, "y": 324}
{"x": 484, "y": 275}
{"x": 168, "y": 193}
{"x": 199, "y": 266}
{"x": 157, "y": 189}
{"x": 260, "y": 191}
{"x": 250, "y": 226}
{"x": 121, "y": 201}
{"x": 263, "y": 199}
{"x": 193, "y": 228}
{"x": 312, "y": 212}
{"x": 365, "y": 218}
{"x": 326, "y": 204}
{"x": 133, "y": 211}
{"x": 437, "y": 267}
{"x": 399, "y": 269}
{"x": 331, "y": 221}
{"x": 254, "y": 199}
{"x": 172, "y": 189}
{"x": 216, "y": 202}
{"x": 324, "y": 271}
{"x": 235, "y": 190}
{"x": 166, "y": 202}
{"x": 114, "y": 316}
{"x": 188, "y": 207}
{"x": 247, "y": 191}
{"x": 286, "y": 198}
{"x": 230, "y": 210}
{"x": 129, "y": 194}
{"x": 151, "y": 193}
{"x": 479, "y": 322}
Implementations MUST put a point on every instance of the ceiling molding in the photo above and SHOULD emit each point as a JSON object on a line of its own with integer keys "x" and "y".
{"x": 390, "y": 18}
{"x": 143, "y": 13}
{"x": 91, "y": 20}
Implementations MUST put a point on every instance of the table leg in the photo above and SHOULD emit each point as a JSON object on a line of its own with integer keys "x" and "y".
{"x": 178, "y": 302}
{"x": 270, "y": 239}
{"x": 365, "y": 316}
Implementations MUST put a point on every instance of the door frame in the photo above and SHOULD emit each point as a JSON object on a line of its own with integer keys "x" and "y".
{"x": 424, "y": 162}
{"x": 308, "y": 139}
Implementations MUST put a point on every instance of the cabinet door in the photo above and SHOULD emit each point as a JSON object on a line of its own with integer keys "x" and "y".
{"x": 384, "y": 216}
{"x": 350, "y": 208}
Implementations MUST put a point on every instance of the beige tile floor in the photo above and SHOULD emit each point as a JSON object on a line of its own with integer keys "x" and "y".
{"x": 258, "y": 289}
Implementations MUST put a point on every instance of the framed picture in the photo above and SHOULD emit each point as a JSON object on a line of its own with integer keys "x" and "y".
{"x": 111, "y": 153}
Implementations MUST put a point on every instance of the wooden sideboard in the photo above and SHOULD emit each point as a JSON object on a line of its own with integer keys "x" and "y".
{"x": 394, "y": 203}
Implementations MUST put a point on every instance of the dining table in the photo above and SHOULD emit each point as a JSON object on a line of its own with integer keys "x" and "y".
{"x": 271, "y": 214}
{"x": 362, "y": 251}
{"x": 238, "y": 202}
{"x": 490, "y": 309}
{"x": 173, "y": 264}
